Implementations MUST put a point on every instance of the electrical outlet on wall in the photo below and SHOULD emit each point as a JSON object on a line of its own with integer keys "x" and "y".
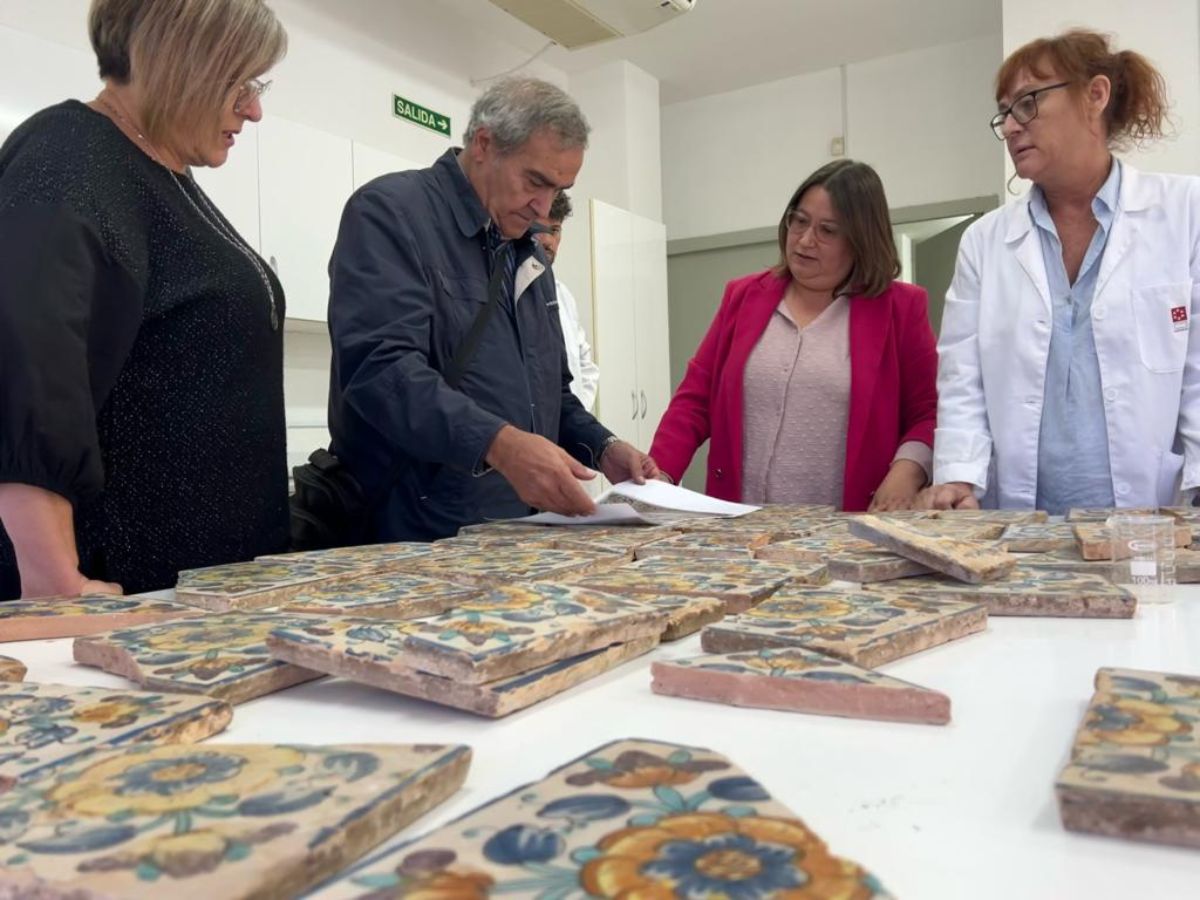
{"x": 837, "y": 147}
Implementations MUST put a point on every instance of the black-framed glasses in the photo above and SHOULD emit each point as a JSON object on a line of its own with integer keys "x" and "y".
{"x": 1024, "y": 109}
{"x": 249, "y": 92}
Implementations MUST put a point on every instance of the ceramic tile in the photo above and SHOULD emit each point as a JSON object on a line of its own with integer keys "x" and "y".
{"x": 507, "y": 630}
{"x": 1101, "y": 515}
{"x": 964, "y": 560}
{"x": 1135, "y": 764}
{"x": 493, "y": 699}
{"x": 1039, "y": 537}
{"x": 367, "y": 556}
{"x": 799, "y": 680}
{"x": 1030, "y": 592}
{"x": 1067, "y": 560}
{"x": 864, "y": 628}
{"x": 848, "y": 558}
{"x": 58, "y": 617}
{"x": 707, "y": 545}
{"x": 253, "y": 585}
{"x": 381, "y": 595}
{"x": 492, "y": 566}
{"x": 11, "y": 669}
{"x": 229, "y": 821}
{"x": 740, "y": 584}
{"x": 1094, "y": 540}
{"x": 871, "y": 567}
{"x": 46, "y": 726}
{"x": 685, "y": 615}
{"x": 222, "y": 656}
{"x": 1007, "y": 516}
{"x": 631, "y": 819}
{"x": 624, "y": 540}
{"x": 968, "y": 530}
{"x": 815, "y": 548}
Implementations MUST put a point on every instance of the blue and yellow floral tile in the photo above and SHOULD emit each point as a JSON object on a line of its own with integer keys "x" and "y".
{"x": 493, "y": 699}
{"x": 631, "y": 819}
{"x": 502, "y": 632}
{"x": 815, "y": 548}
{"x": 969, "y": 561}
{"x": 59, "y": 617}
{"x": 797, "y": 679}
{"x": 685, "y": 615}
{"x": 1135, "y": 764}
{"x": 739, "y": 583}
{"x": 864, "y": 628}
{"x": 223, "y": 656}
{"x": 621, "y": 540}
{"x": 216, "y": 821}
{"x": 1029, "y": 592}
{"x": 1039, "y": 537}
{"x": 366, "y": 556}
{"x": 45, "y": 726}
{"x": 381, "y": 595}
{"x": 491, "y": 566}
{"x": 1065, "y": 560}
{"x": 11, "y": 669}
{"x": 707, "y": 545}
{"x": 254, "y": 585}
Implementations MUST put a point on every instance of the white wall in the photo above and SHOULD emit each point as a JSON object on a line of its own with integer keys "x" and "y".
{"x": 1165, "y": 31}
{"x": 731, "y": 161}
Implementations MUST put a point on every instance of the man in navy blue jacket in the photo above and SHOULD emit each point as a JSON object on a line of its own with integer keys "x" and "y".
{"x": 409, "y": 275}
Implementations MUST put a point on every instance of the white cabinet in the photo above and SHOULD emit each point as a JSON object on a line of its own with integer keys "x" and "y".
{"x": 629, "y": 301}
{"x": 233, "y": 187}
{"x": 370, "y": 163}
{"x": 305, "y": 177}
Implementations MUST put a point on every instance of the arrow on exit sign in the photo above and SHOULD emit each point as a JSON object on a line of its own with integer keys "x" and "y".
{"x": 419, "y": 115}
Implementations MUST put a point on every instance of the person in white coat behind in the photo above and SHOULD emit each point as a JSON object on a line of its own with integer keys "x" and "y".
{"x": 1069, "y": 367}
{"x": 585, "y": 374}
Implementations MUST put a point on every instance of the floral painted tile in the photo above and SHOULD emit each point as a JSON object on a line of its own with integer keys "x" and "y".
{"x": 1029, "y": 592}
{"x": 504, "y": 631}
{"x": 490, "y": 566}
{"x": 797, "y": 679}
{"x": 968, "y": 530}
{"x": 1094, "y": 540}
{"x": 1065, "y": 560}
{"x": 1007, "y": 516}
{"x": 11, "y": 669}
{"x": 624, "y": 540}
{"x": 222, "y": 656}
{"x": 58, "y": 617}
{"x": 740, "y": 583}
{"x": 631, "y": 819}
{"x": 877, "y": 565}
{"x": 1135, "y": 764}
{"x": 685, "y": 615}
{"x": 864, "y": 628}
{"x": 815, "y": 548}
{"x": 1038, "y": 537}
{"x": 707, "y": 545}
{"x": 965, "y": 560}
{"x": 46, "y": 726}
{"x": 219, "y": 820}
{"x": 381, "y": 595}
{"x": 253, "y": 585}
{"x": 367, "y": 556}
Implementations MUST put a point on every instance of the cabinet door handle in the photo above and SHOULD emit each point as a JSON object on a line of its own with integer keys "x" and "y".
{"x": 633, "y": 397}
{"x": 643, "y": 404}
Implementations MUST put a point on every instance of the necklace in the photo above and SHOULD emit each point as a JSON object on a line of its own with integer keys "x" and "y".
{"x": 208, "y": 214}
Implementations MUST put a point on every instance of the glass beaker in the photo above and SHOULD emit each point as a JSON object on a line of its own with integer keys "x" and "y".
{"x": 1143, "y": 551}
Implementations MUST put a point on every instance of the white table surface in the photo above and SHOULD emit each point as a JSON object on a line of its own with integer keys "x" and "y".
{"x": 959, "y": 811}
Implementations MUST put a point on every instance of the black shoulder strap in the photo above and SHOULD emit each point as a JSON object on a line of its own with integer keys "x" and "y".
{"x": 466, "y": 350}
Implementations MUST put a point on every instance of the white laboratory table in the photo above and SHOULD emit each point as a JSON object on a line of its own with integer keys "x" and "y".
{"x": 938, "y": 813}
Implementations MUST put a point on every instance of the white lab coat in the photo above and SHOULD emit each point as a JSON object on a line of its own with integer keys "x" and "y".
{"x": 995, "y": 341}
{"x": 585, "y": 374}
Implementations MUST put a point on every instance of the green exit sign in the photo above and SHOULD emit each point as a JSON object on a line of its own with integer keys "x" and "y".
{"x": 419, "y": 115}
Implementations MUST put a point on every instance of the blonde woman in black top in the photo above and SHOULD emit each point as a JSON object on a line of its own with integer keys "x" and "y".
{"x": 141, "y": 372}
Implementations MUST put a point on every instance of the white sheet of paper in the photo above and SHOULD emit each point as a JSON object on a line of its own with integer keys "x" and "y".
{"x": 605, "y": 514}
{"x": 670, "y": 496}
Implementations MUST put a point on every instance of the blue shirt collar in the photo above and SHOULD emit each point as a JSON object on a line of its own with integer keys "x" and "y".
{"x": 1104, "y": 204}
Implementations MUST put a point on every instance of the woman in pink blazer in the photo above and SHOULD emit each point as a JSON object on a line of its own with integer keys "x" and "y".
{"x": 816, "y": 382}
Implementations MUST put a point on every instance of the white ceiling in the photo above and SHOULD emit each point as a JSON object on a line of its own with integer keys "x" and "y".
{"x": 723, "y": 45}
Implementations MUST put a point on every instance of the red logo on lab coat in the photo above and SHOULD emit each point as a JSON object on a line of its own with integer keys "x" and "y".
{"x": 1179, "y": 317}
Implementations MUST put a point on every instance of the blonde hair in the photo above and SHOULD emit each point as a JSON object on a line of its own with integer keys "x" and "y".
{"x": 188, "y": 56}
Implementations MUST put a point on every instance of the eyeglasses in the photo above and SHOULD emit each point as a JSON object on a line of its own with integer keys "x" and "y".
{"x": 249, "y": 92}
{"x": 1024, "y": 109}
{"x": 798, "y": 223}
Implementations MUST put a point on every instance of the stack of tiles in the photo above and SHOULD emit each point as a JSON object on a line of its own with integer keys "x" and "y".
{"x": 739, "y": 583}
{"x": 11, "y": 669}
{"x": 867, "y": 629}
{"x": 631, "y": 819}
{"x": 44, "y": 727}
{"x": 1039, "y": 537}
{"x": 799, "y": 680}
{"x": 707, "y": 545}
{"x": 964, "y": 560}
{"x": 255, "y": 585}
{"x": 499, "y": 652}
{"x": 228, "y": 821}
{"x": 486, "y": 567}
{"x": 381, "y": 595}
{"x": 1031, "y": 592}
{"x": 58, "y": 617}
{"x": 1135, "y": 764}
{"x": 847, "y": 558}
{"x": 222, "y": 656}
{"x": 1094, "y": 540}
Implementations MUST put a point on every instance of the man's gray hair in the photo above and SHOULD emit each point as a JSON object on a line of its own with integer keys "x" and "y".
{"x": 513, "y": 109}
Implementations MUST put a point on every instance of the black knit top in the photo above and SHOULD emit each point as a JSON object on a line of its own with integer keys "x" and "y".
{"x": 141, "y": 375}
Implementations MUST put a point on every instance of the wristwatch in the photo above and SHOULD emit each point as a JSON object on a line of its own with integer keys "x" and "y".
{"x": 608, "y": 442}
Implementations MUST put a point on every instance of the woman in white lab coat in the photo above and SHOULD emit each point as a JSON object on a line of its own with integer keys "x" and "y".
{"x": 1069, "y": 366}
